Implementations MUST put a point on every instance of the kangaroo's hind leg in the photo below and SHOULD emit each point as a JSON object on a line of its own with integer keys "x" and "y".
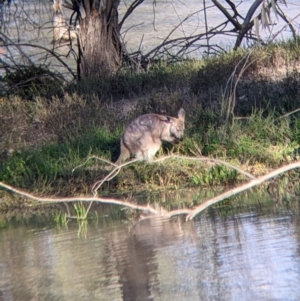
{"x": 150, "y": 147}
{"x": 124, "y": 153}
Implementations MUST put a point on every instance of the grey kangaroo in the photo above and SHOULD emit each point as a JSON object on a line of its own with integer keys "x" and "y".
{"x": 144, "y": 135}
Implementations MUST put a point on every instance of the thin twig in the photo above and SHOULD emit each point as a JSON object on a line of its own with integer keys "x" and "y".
{"x": 288, "y": 114}
{"x": 191, "y": 213}
{"x": 206, "y": 159}
{"x": 110, "y": 176}
{"x": 20, "y": 45}
{"x": 93, "y": 157}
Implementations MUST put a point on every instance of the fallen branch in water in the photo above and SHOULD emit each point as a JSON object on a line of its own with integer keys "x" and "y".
{"x": 191, "y": 213}
{"x": 149, "y": 209}
{"x": 241, "y": 188}
{"x": 77, "y": 199}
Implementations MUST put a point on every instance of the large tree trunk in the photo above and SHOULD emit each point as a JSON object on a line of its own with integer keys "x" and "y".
{"x": 100, "y": 51}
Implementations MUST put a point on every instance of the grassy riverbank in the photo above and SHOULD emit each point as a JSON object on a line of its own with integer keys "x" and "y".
{"x": 240, "y": 116}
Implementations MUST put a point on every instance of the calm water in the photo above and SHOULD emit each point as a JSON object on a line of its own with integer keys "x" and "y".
{"x": 248, "y": 254}
{"x": 30, "y": 21}
{"x": 145, "y": 30}
{"x": 147, "y": 27}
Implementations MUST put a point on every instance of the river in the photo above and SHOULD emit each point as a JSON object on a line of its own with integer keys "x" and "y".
{"x": 237, "y": 253}
{"x": 148, "y": 26}
{"x": 228, "y": 253}
{"x": 147, "y": 30}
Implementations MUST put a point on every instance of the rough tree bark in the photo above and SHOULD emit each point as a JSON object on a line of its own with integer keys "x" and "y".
{"x": 100, "y": 47}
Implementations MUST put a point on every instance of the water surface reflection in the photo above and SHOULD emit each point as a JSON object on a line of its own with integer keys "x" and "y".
{"x": 250, "y": 255}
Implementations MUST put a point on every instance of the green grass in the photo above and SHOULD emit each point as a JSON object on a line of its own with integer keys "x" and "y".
{"x": 258, "y": 139}
{"x": 44, "y": 139}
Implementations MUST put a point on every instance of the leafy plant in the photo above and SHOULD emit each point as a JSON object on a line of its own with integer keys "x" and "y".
{"x": 215, "y": 176}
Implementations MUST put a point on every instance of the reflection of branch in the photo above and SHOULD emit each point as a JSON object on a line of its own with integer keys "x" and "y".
{"x": 154, "y": 13}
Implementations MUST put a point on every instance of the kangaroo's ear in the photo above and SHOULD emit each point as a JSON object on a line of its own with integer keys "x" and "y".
{"x": 181, "y": 114}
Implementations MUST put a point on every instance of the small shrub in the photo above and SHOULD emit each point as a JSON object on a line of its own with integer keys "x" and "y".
{"x": 30, "y": 81}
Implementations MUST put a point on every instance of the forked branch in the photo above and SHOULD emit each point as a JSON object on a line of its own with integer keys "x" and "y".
{"x": 191, "y": 213}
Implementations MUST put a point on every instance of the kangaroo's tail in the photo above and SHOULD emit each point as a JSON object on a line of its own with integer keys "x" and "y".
{"x": 124, "y": 153}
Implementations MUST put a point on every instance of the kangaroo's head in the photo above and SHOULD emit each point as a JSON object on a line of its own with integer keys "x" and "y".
{"x": 177, "y": 126}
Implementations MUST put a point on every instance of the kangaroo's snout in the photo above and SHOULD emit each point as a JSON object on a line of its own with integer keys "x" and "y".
{"x": 178, "y": 139}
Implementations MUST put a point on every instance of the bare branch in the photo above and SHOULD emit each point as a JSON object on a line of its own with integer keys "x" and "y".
{"x": 233, "y": 7}
{"x": 288, "y": 24}
{"x": 234, "y": 22}
{"x": 284, "y": 18}
{"x": 191, "y": 213}
{"x": 289, "y": 113}
{"x": 241, "y": 188}
{"x": 55, "y": 55}
{"x": 184, "y": 40}
{"x": 78, "y": 199}
{"x": 129, "y": 11}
